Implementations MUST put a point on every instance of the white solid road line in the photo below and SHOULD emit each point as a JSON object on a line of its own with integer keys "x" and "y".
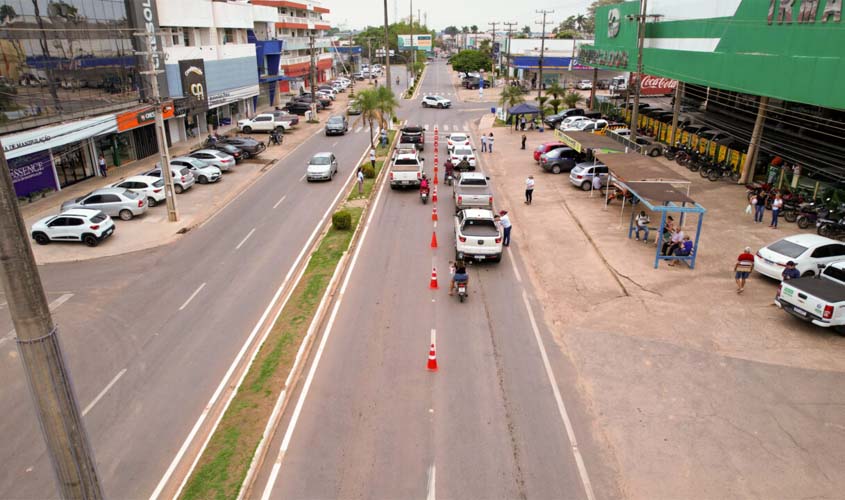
{"x": 244, "y": 240}
{"x": 183, "y": 306}
{"x": 53, "y": 306}
{"x": 570, "y": 432}
{"x": 302, "y": 178}
{"x": 515, "y": 270}
{"x": 277, "y": 465}
{"x": 445, "y": 128}
{"x": 280, "y": 201}
{"x": 226, "y": 378}
{"x": 103, "y": 392}
{"x": 432, "y": 472}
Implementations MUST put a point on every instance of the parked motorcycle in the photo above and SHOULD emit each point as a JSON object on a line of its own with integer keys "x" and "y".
{"x": 669, "y": 152}
{"x": 724, "y": 171}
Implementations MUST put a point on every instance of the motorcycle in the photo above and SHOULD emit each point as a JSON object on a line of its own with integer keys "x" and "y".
{"x": 448, "y": 178}
{"x": 424, "y": 195}
{"x": 669, "y": 152}
{"x": 461, "y": 287}
{"x": 275, "y": 138}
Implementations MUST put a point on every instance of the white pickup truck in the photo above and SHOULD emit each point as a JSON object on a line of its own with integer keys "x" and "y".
{"x": 472, "y": 191}
{"x": 820, "y": 301}
{"x": 265, "y": 122}
{"x": 406, "y": 169}
{"x": 477, "y": 236}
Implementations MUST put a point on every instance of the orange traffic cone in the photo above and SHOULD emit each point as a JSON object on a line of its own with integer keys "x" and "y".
{"x": 434, "y": 193}
{"x": 434, "y": 239}
{"x": 434, "y": 213}
{"x": 435, "y": 182}
{"x": 432, "y": 359}
{"x": 433, "y": 283}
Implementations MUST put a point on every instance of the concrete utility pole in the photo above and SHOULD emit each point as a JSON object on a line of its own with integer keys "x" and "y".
{"x": 161, "y": 137}
{"x": 542, "y": 54}
{"x": 413, "y": 50}
{"x": 41, "y": 354}
{"x": 754, "y": 145}
{"x": 311, "y": 77}
{"x": 493, "y": 41}
{"x": 510, "y": 26}
{"x": 676, "y": 110}
{"x": 641, "y": 18}
{"x": 387, "y": 49}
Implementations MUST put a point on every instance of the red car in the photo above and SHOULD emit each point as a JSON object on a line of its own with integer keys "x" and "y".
{"x": 545, "y": 148}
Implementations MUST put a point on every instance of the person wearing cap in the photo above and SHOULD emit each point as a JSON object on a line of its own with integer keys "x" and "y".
{"x": 790, "y": 272}
{"x": 505, "y": 222}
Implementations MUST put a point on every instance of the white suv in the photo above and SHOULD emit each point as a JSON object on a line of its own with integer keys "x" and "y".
{"x": 152, "y": 188}
{"x": 183, "y": 178}
{"x": 79, "y": 224}
{"x": 435, "y": 101}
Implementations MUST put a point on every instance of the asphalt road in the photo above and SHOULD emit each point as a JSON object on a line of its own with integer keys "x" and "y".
{"x": 374, "y": 423}
{"x": 149, "y": 336}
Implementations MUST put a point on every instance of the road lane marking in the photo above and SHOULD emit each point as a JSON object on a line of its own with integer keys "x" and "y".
{"x": 570, "y": 432}
{"x": 53, "y": 306}
{"x": 103, "y": 392}
{"x": 335, "y": 143}
{"x": 302, "y": 178}
{"x": 446, "y": 128}
{"x": 515, "y": 270}
{"x": 225, "y": 382}
{"x": 432, "y": 472}
{"x": 244, "y": 240}
{"x": 277, "y": 465}
{"x": 192, "y": 296}
{"x": 280, "y": 201}
{"x": 433, "y": 336}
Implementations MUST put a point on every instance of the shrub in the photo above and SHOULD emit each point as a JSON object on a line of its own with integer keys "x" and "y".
{"x": 369, "y": 171}
{"x": 342, "y": 220}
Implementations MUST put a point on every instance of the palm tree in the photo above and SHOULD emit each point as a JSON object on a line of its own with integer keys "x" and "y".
{"x": 465, "y": 30}
{"x": 474, "y": 30}
{"x": 555, "y": 104}
{"x": 511, "y": 96}
{"x": 387, "y": 104}
{"x": 555, "y": 90}
{"x": 580, "y": 19}
{"x": 572, "y": 99}
{"x": 543, "y": 101}
{"x": 367, "y": 101}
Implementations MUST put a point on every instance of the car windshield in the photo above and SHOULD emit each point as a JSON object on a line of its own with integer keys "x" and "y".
{"x": 458, "y": 138}
{"x": 473, "y": 181}
{"x": 787, "y": 248}
{"x": 554, "y": 153}
{"x": 320, "y": 160}
{"x": 336, "y": 120}
{"x": 99, "y": 217}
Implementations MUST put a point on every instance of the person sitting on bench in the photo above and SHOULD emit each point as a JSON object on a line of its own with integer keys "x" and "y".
{"x": 684, "y": 250}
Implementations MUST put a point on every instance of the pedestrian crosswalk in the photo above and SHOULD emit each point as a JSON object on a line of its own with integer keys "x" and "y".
{"x": 441, "y": 127}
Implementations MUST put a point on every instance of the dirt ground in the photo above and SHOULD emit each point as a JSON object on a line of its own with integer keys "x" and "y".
{"x": 700, "y": 392}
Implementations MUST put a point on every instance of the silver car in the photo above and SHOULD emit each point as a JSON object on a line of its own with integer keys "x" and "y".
{"x": 115, "y": 202}
{"x": 219, "y": 159}
{"x": 203, "y": 172}
{"x": 321, "y": 167}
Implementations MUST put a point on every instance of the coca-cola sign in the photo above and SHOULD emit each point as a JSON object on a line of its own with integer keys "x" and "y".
{"x": 657, "y": 85}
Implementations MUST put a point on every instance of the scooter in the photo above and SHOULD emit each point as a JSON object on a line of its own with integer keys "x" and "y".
{"x": 448, "y": 178}
{"x": 424, "y": 196}
{"x": 275, "y": 138}
{"x": 461, "y": 287}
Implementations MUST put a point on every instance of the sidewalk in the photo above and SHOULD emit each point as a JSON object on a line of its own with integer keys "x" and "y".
{"x": 195, "y": 205}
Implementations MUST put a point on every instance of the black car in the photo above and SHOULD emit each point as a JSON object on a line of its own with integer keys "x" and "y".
{"x": 474, "y": 82}
{"x": 234, "y": 151}
{"x": 249, "y": 147}
{"x": 413, "y": 135}
{"x": 299, "y": 107}
{"x": 325, "y": 102}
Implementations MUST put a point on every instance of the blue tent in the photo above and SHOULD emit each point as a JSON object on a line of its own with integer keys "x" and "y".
{"x": 524, "y": 109}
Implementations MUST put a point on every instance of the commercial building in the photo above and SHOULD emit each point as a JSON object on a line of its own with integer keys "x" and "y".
{"x": 558, "y": 63}
{"x": 740, "y": 60}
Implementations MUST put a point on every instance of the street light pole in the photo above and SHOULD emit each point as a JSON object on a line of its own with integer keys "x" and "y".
{"x": 540, "y": 61}
{"x": 510, "y": 26}
{"x": 387, "y": 48}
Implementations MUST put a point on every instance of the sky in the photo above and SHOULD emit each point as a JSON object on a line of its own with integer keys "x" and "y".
{"x": 356, "y": 14}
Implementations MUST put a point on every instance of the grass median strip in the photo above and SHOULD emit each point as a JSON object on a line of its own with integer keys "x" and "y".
{"x": 221, "y": 470}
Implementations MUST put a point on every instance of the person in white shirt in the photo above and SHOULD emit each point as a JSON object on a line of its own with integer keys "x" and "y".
{"x": 777, "y": 204}
{"x": 675, "y": 242}
{"x": 490, "y": 143}
{"x": 483, "y": 143}
{"x": 505, "y": 222}
{"x": 529, "y": 189}
{"x": 642, "y": 225}
{"x": 360, "y": 181}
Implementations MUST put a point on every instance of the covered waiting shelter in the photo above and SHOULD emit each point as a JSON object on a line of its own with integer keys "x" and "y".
{"x": 524, "y": 109}
{"x": 584, "y": 142}
{"x": 654, "y": 185}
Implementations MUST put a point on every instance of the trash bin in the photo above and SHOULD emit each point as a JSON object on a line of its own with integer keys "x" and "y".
{"x": 493, "y": 110}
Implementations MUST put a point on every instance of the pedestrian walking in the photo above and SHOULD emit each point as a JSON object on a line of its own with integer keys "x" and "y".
{"x": 759, "y": 206}
{"x": 742, "y": 269}
{"x": 373, "y": 158}
{"x": 523, "y": 139}
{"x": 490, "y": 143}
{"x": 505, "y": 222}
{"x": 483, "y": 143}
{"x": 384, "y": 138}
{"x": 360, "y": 181}
{"x": 529, "y": 189}
{"x": 776, "y": 205}
{"x": 522, "y": 123}
{"x": 102, "y": 163}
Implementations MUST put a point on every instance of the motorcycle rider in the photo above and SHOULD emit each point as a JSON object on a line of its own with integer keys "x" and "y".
{"x": 449, "y": 172}
{"x": 423, "y": 185}
{"x": 460, "y": 276}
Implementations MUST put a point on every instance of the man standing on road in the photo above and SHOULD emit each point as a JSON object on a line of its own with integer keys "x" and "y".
{"x": 529, "y": 189}
{"x": 505, "y": 222}
{"x": 790, "y": 273}
{"x": 360, "y": 181}
{"x": 373, "y": 158}
{"x": 523, "y": 141}
{"x": 490, "y": 143}
{"x": 483, "y": 143}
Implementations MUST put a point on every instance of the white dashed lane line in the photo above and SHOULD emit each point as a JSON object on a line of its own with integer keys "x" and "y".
{"x": 244, "y": 240}
{"x": 192, "y": 297}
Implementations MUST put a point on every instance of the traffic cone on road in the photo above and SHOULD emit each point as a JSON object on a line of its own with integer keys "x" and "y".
{"x": 434, "y": 193}
{"x": 435, "y": 183}
{"x": 434, "y": 213}
{"x": 433, "y": 283}
{"x": 434, "y": 239}
{"x": 432, "y": 359}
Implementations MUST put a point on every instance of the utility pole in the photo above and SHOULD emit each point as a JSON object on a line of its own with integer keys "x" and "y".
{"x": 387, "y": 49}
{"x": 641, "y": 20}
{"x": 542, "y": 54}
{"x": 413, "y": 65}
{"x": 510, "y": 26}
{"x": 493, "y": 41}
{"x": 311, "y": 77}
{"x": 41, "y": 354}
{"x": 161, "y": 137}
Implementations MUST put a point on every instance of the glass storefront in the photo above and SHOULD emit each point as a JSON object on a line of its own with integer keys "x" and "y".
{"x": 72, "y": 163}
{"x": 118, "y": 149}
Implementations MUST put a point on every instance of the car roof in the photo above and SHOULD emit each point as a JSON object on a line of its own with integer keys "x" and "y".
{"x": 478, "y": 213}
{"x": 322, "y": 154}
{"x": 108, "y": 190}
{"x": 458, "y": 134}
{"x": 144, "y": 178}
{"x": 81, "y": 212}
{"x": 808, "y": 240}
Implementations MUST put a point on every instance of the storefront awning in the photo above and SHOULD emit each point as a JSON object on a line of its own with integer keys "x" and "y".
{"x": 32, "y": 141}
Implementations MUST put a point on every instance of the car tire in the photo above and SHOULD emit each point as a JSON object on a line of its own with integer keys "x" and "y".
{"x": 125, "y": 214}
{"x": 247, "y": 130}
{"x": 90, "y": 240}
{"x": 202, "y": 179}
{"x": 281, "y": 130}
{"x": 808, "y": 274}
{"x": 151, "y": 202}
{"x": 440, "y": 106}
{"x": 497, "y": 258}
{"x": 556, "y": 169}
{"x": 41, "y": 238}
{"x": 654, "y": 153}
{"x": 425, "y": 105}
{"x": 178, "y": 188}
{"x": 586, "y": 186}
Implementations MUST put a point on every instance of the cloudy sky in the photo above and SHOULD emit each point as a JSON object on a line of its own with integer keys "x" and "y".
{"x": 442, "y": 13}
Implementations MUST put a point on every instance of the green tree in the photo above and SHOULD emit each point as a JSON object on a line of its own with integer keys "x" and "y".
{"x": 566, "y": 34}
{"x": 511, "y": 96}
{"x": 368, "y": 102}
{"x": 555, "y": 90}
{"x": 7, "y": 14}
{"x": 572, "y": 99}
{"x": 386, "y": 104}
{"x": 526, "y": 30}
{"x": 543, "y": 101}
{"x": 567, "y": 24}
{"x": 555, "y": 104}
{"x": 451, "y": 30}
{"x": 471, "y": 60}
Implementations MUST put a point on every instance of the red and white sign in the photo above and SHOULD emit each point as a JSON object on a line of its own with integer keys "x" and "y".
{"x": 657, "y": 85}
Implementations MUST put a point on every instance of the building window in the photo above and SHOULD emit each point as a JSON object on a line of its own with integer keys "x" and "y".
{"x": 187, "y": 35}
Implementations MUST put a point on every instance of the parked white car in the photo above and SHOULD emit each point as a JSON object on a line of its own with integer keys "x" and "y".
{"x": 435, "y": 101}
{"x": 111, "y": 201}
{"x": 203, "y": 172}
{"x": 79, "y": 224}
{"x": 460, "y": 153}
{"x": 808, "y": 251}
{"x": 183, "y": 179}
{"x": 571, "y": 121}
{"x": 584, "y": 85}
{"x": 265, "y": 122}
{"x": 152, "y": 188}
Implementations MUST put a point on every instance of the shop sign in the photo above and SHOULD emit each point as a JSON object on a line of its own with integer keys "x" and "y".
{"x": 603, "y": 57}
{"x": 232, "y": 95}
{"x": 656, "y": 85}
{"x": 780, "y": 11}
{"x": 134, "y": 119}
{"x": 32, "y": 173}
{"x": 192, "y": 72}
{"x": 24, "y": 143}
{"x": 144, "y": 18}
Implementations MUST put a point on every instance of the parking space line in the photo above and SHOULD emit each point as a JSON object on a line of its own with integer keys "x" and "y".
{"x": 244, "y": 240}
{"x": 53, "y": 306}
{"x": 280, "y": 201}
{"x": 103, "y": 392}
{"x": 192, "y": 296}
